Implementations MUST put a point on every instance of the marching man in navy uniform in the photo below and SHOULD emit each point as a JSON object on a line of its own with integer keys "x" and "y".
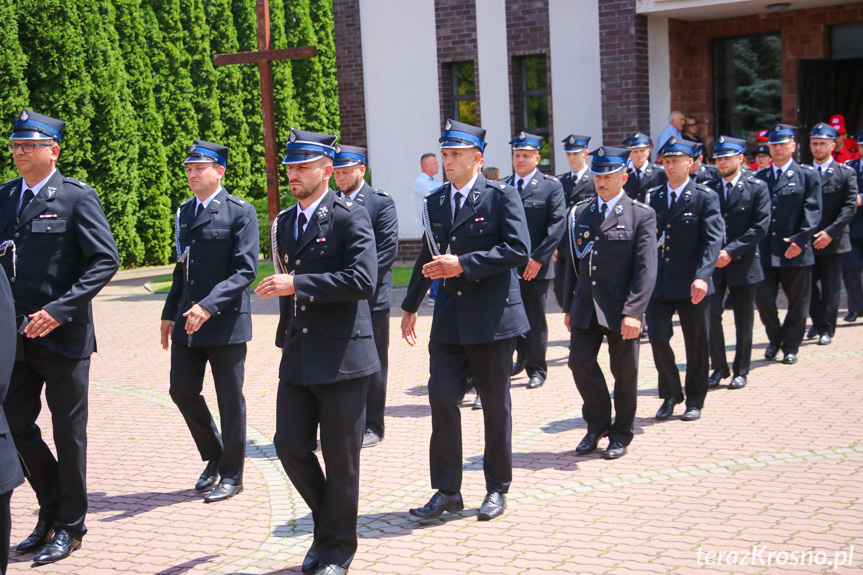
{"x": 832, "y": 238}
{"x": 608, "y": 281}
{"x": 642, "y": 175}
{"x": 745, "y": 205}
{"x": 577, "y": 186}
{"x": 689, "y": 233}
{"x": 207, "y": 315}
{"x": 700, "y": 172}
{"x": 786, "y": 251}
{"x": 65, "y": 256}
{"x": 475, "y": 237}
{"x": 852, "y": 261}
{"x": 349, "y": 169}
{"x": 326, "y": 270}
{"x": 544, "y": 208}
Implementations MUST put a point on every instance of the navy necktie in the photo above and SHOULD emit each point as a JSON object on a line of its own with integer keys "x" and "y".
{"x": 198, "y": 210}
{"x": 520, "y": 185}
{"x": 26, "y": 198}
{"x": 301, "y": 224}
{"x": 457, "y": 206}
{"x": 603, "y": 210}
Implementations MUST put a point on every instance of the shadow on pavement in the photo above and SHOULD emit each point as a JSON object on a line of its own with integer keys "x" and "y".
{"x": 133, "y": 504}
{"x": 187, "y": 566}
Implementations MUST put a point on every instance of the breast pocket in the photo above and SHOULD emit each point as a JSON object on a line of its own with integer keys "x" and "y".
{"x": 534, "y": 204}
{"x": 216, "y": 234}
{"x": 321, "y": 250}
{"x": 46, "y": 235}
{"x": 831, "y": 189}
{"x": 479, "y": 228}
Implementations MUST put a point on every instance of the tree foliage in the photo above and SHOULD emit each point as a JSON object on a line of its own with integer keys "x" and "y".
{"x": 135, "y": 83}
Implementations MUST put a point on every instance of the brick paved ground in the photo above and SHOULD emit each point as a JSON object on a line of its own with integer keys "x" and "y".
{"x": 777, "y": 465}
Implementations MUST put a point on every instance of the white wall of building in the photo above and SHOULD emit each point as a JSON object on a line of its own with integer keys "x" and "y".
{"x": 493, "y": 64}
{"x": 402, "y": 101}
{"x": 660, "y": 75}
{"x": 576, "y": 96}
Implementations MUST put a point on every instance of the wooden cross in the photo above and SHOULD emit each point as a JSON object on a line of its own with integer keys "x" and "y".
{"x": 265, "y": 58}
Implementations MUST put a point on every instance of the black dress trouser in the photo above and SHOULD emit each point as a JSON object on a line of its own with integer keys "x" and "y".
{"x": 5, "y": 530}
{"x": 531, "y": 347}
{"x": 339, "y": 409}
{"x": 583, "y": 350}
{"x": 490, "y": 367}
{"x": 852, "y": 276}
{"x": 796, "y": 282}
{"x": 695, "y": 325}
{"x": 60, "y": 484}
{"x": 743, "y": 307}
{"x": 826, "y": 289}
{"x": 227, "y": 363}
{"x": 376, "y": 402}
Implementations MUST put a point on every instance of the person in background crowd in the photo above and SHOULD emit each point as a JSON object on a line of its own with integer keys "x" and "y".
{"x": 852, "y": 262}
{"x": 676, "y": 121}
{"x": 846, "y": 148}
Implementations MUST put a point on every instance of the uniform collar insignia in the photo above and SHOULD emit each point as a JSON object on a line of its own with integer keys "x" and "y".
{"x": 217, "y": 202}
{"x": 687, "y": 195}
{"x": 618, "y": 210}
{"x": 475, "y": 197}
{"x": 789, "y": 173}
{"x": 442, "y": 199}
{"x": 323, "y": 211}
{"x": 593, "y": 207}
{"x": 51, "y": 192}
{"x": 533, "y": 182}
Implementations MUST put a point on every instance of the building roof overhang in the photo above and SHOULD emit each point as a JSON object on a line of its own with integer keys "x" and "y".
{"x": 694, "y": 10}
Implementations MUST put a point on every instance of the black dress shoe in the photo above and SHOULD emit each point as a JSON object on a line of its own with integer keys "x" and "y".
{"x": 789, "y": 359}
{"x": 825, "y": 340}
{"x": 492, "y": 506}
{"x": 771, "y": 351}
{"x": 223, "y": 491}
{"x": 812, "y": 333}
{"x": 737, "y": 382}
{"x": 716, "y": 377}
{"x": 666, "y": 410}
{"x": 691, "y": 414}
{"x": 438, "y": 505}
{"x": 615, "y": 450}
{"x": 209, "y": 476}
{"x": 331, "y": 570}
{"x": 59, "y": 547}
{"x": 851, "y": 317}
{"x": 589, "y": 443}
{"x": 41, "y": 534}
{"x": 518, "y": 366}
{"x": 370, "y": 438}
{"x": 535, "y": 382}
{"x": 477, "y": 403}
{"x": 311, "y": 562}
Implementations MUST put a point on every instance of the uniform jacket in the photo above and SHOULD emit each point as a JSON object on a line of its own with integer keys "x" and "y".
{"x": 577, "y": 191}
{"x": 838, "y": 206}
{"x": 11, "y": 475}
{"x": 637, "y": 189}
{"x": 491, "y": 239}
{"x": 689, "y": 238}
{"x": 325, "y": 328}
{"x": 616, "y": 274}
{"x": 704, "y": 174}
{"x": 221, "y": 264}
{"x": 747, "y": 216}
{"x": 66, "y": 255}
{"x": 545, "y": 210}
{"x": 382, "y": 211}
{"x": 856, "y": 226}
{"x": 796, "y": 213}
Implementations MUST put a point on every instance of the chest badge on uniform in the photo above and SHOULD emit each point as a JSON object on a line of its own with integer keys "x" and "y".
{"x": 287, "y": 259}
{"x": 586, "y": 234}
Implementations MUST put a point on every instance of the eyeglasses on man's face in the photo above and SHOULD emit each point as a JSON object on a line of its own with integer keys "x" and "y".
{"x": 26, "y": 147}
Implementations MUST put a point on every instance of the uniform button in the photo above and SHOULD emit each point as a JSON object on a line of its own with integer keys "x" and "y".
{"x": 235, "y": 309}
{"x": 194, "y": 302}
{"x": 358, "y": 332}
{"x": 302, "y": 308}
{"x": 48, "y": 228}
{"x": 17, "y": 235}
{"x": 12, "y": 280}
{"x": 668, "y": 249}
{"x": 774, "y": 233}
{"x": 311, "y": 298}
{"x": 191, "y": 283}
{"x": 596, "y": 253}
{"x": 216, "y": 234}
{"x": 593, "y": 268}
{"x": 668, "y": 259}
{"x": 322, "y": 252}
{"x": 298, "y": 262}
{"x": 507, "y": 300}
{"x": 452, "y": 239}
{"x": 305, "y": 330}
{"x": 591, "y": 283}
{"x": 459, "y": 293}
{"x": 193, "y": 242}
{"x": 69, "y": 320}
{"x": 218, "y": 313}
{"x": 668, "y": 226}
